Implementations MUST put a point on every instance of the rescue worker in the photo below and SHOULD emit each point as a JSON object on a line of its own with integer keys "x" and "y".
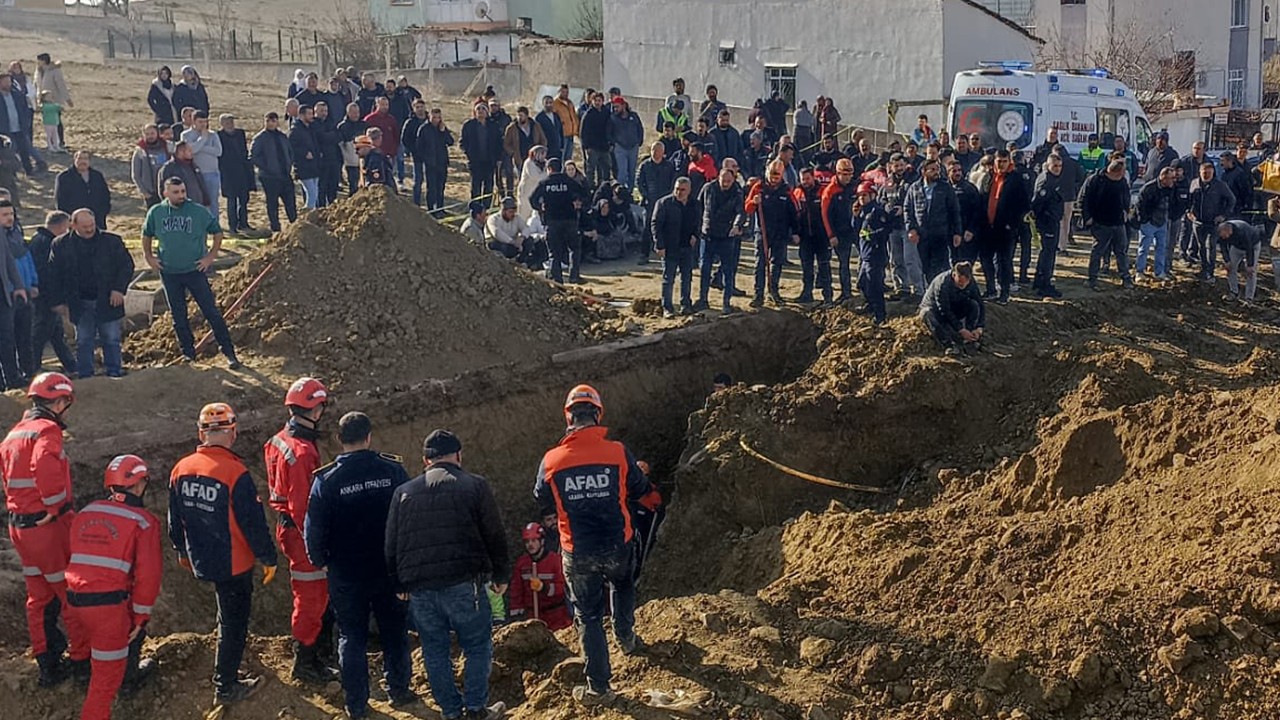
{"x": 815, "y": 246}
{"x": 872, "y": 224}
{"x": 1093, "y": 158}
{"x": 771, "y": 198}
{"x": 837, "y": 202}
{"x": 113, "y": 581}
{"x": 291, "y": 458}
{"x": 537, "y": 583}
{"x": 345, "y": 530}
{"x": 588, "y": 482}
{"x": 375, "y": 167}
{"x": 37, "y": 492}
{"x": 217, "y": 525}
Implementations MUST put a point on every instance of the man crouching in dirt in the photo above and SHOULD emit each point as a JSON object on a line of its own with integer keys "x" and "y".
{"x": 588, "y": 480}
{"x": 952, "y": 310}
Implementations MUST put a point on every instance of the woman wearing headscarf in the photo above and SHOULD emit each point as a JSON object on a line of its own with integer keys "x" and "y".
{"x": 299, "y": 83}
{"x": 190, "y": 93}
{"x": 533, "y": 172}
{"x": 160, "y": 98}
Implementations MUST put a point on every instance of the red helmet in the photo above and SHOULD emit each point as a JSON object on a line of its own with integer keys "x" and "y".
{"x": 866, "y": 187}
{"x": 532, "y": 531}
{"x": 51, "y": 386}
{"x": 583, "y": 394}
{"x": 307, "y": 393}
{"x": 125, "y": 471}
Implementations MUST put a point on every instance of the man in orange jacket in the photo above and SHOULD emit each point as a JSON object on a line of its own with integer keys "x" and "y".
{"x": 217, "y": 525}
{"x": 37, "y": 490}
{"x": 291, "y": 459}
{"x": 589, "y": 481}
{"x": 837, "y": 218}
{"x": 113, "y": 581}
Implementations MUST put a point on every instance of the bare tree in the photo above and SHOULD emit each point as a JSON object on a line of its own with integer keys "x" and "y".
{"x": 588, "y": 20}
{"x": 1146, "y": 59}
{"x": 219, "y": 23}
{"x": 351, "y": 36}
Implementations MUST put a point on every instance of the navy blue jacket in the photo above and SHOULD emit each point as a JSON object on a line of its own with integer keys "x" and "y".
{"x": 346, "y": 518}
{"x": 378, "y": 171}
{"x": 367, "y": 99}
{"x": 188, "y": 96}
{"x": 24, "y": 113}
{"x": 553, "y": 128}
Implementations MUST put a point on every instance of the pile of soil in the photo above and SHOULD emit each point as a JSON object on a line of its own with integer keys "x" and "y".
{"x": 371, "y": 290}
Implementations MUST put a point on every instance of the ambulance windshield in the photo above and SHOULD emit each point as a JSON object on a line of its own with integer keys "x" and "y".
{"x": 997, "y": 122}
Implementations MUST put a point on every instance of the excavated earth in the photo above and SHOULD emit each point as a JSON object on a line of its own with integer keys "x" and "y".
{"x": 1081, "y": 522}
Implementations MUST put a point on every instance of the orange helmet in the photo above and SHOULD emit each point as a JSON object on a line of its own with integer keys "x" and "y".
{"x": 216, "y": 417}
{"x": 307, "y": 393}
{"x": 583, "y": 394}
{"x": 125, "y": 471}
{"x": 51, "y": 386}
{"x": 532, "y": 531}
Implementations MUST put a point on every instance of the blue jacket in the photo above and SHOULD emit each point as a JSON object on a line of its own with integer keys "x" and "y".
{"x": 24, "y": 112}
{"x": 346, "y": 521}
{"x": 21, "y": 255}
{"x": 553, "y": 128}
{"x": 189, "y": 96}
{"x": 625, "y": 132}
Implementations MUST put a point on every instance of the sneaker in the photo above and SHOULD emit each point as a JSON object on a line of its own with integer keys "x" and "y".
{"x": 406, "y": 698}
{"x": 669, "y": 314}
{"x": 1092, "y": 285}
{"x": 728, "y": 310}
{"x": 776, "y": 299}
{"x": 687, "y": 310}
{"x": 493, "y": 712}
{"x": 803, "y": 299}
{"x": 716, "y": 284}
{"x": 1162, "y": 278}
{"x": 1127, "y": 284}
{"x": 1002, "y": 300}
{"x": 701, "y": 306}
{"x": 1015, "y": 288}
{"x": 1231, "y": 298}
{"x": 739, "y": 293}
{"x": 756, "y": 302}
{"x": 243, "y": 689}
{"x": 233, "y": 363}
{"x": 1052, "y": 292}
{"x": 119, "y": 374}
{"x": 953, "y": 351}
{"x": 632, "y": 646}
{"x": 592, "y": 698}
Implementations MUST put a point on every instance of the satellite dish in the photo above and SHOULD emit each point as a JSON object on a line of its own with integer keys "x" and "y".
{"x": 482, "y": 10}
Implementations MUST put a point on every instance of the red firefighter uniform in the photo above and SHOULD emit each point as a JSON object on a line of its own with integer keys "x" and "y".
{"x": 548, "y": 572}
{"x": 37, "y": 485}
{"x": 292, "y": 459}
{"x": 113, "y": 580}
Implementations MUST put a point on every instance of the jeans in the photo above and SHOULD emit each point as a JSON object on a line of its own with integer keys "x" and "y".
{"x": 353, "y": 599}
{"x": 565, "y": 245}
{"x": 871, "y": 270}
{"x": 481, "y": 180}
{"x": 566, "y": 150}
{"x": 463, "y": 610}
{"x": 1185, "y": 230}
{"x": 907, "y": 273}
{"x": 237, "y": 212}
{"x": 1236, "y": 257}
{"x": 88, "y": 330}
{"x": 1113, "y": 239}
{"x": 276, "y": 190}
{"x": 596, "y": 166}
{"x": 310, "y": 192}
{"x": 624, "y": 159}
{"x": 1157, "y": 237}
{"x": 844, "y": 256}
{"x": 400, "y": 163}
{"x": 213, "y": 185}
{"x": 435, "y": 186}
{"x": 235, "y": 598}
{"x": 726, "y": 251}
{"x": 196, "y": 283}
{"x": 8, "y": 348}
{"x": 677, "y": 261}
{"x": 47, "y": 329}
{"x": 26, "y": 152}
{"x": 1204, "y": 240}
{"x": 419, "y": 179}
{"x": 586, "y": 577}
{"x": 1047, "y": 260}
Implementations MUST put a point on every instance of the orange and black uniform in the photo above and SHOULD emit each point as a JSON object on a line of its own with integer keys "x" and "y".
{"x": 113, "y": 581}
{"x": 292, "y": 458}
{"x": 217, "y": 523}
{"x": 837, "y": 219}
{"x": 37, "y": 483}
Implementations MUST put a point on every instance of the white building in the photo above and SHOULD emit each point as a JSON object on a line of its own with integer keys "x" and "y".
{"x": 1226, "y": 36}
{"x": 863, "y": 54}
{"x": 451, "y": 32}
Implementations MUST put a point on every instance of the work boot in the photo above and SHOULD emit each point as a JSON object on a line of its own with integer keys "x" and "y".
{"x": 493, "y": 712}
{"x": 587, "y": 697}
{"x": 776, "y": 298}
{"x": 756, "y": 302}
{"x": 135, "y": 678}
{"x": 307, "y": 667}
{"x": 52, "y": 670}
{"x": 80, "y": 670}
{"x": 241, "y": 689}
{"x": 631, "y": 646}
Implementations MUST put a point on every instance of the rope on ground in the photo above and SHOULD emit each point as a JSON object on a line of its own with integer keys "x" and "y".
{"x": 806, "y": 476}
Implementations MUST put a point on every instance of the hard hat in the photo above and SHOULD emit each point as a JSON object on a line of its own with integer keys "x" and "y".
{"x": 532, "y": 531}
{"x": 584, "y": 394}
{"x": 216, "y": 416}
{"x": 866, "y": 187}
{"x": 125, "y": 471}
{"x": 307, "y": 393}
{"x": 51, "y": 386}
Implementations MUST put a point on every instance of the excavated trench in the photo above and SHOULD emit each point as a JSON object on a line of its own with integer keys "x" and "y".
{"x": 507, "y": 417}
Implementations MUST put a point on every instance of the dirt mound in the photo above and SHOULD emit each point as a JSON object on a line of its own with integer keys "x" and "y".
{"x": 372, "y": 290}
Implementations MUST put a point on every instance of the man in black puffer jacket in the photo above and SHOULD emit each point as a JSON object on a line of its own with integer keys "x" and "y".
{"x": 445, "y": 545}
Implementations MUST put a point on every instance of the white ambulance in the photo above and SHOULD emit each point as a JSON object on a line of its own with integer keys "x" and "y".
{"x": 1004, "y": 102}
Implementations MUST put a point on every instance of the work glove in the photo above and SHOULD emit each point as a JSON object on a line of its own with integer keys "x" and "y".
{"x": 268, "y": 574}
{"x": 535, "y": 585}
{"x": 185, "y": 562}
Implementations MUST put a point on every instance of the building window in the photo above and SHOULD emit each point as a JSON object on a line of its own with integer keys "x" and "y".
{"x": 402, "y": 2}
{"x": 1235, "y": 88}
{"x": 728, "y": 53}
{"x": 782, "y": 80}
{"x": 1072, "y": 2}
{"x": 1239, "y": 13}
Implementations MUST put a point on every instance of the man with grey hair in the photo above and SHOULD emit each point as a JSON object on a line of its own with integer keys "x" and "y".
{"x": 675, "y": 225}
{"x": 90, "y": 271}
{"x": 206, "y": 149}
{"x": 1241, "y": 243}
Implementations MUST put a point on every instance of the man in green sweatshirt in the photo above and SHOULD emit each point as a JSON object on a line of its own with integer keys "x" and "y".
{"x": 181, "y": 230}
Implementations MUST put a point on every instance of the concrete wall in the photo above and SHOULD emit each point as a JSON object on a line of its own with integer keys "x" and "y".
{"x": 862, "y": 55}
{"x": 999, "y": 41}
{"x": 549, "y": 63}
{"x": 55, "y": 6}
{"x": 254, "y": 71}
{"x": 556, "y": 18}
{"x": 393, "y": 16}
{"x": 83, "y": 29}
{"x": 431, "y": 49}
{"x": 453, "y": 83}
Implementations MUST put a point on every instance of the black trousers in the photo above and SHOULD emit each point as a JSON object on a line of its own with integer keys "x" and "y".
{"x": 995, "y": 251}
{"x": 9, "y": 348}
{"x": 277, "y": 190}
{"x": 353, "y": 178}
{"x": 22, "y": 336}
{"x": 435, "y": 186}
{"x": 481, "y": 180}
{"x": 47, "y": 330}
{"x": 330, "y": 180}
{"x": 235, "y": 598}
{"x": 565, "y": 245}
{"x": 1048, "y": 258}
{"x": 935, "y": 254}
{"x": 946, "y": 335}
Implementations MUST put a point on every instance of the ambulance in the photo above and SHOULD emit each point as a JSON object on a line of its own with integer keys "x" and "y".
{"x": 1005, "y": 102}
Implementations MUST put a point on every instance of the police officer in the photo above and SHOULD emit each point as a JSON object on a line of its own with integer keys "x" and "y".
{"x": 872, "y": 224}
{"x": 345, "y": 530}
{"x": 217, "y": 525}
{"x": 375, "y": 166}
{"x": 37, "y": 491}
{"x": 114, "y": 579}
{"x": 589, "y": 482}
{"x": 291, "y": 459}
{"x": 558, "y": 199}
